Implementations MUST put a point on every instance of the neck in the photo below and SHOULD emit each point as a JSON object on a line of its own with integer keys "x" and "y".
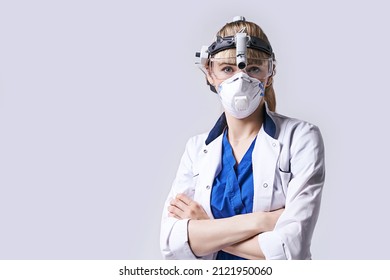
{"x": 244, "y": 129}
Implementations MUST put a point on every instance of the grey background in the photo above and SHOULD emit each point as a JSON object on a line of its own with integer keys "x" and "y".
{"x": 97, "y": 100}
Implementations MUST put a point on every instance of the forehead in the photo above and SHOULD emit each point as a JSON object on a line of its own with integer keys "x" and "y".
{"x": 224, "y": 60}
{"x": 232, "y": 61}
{"x": 251, "y": 54}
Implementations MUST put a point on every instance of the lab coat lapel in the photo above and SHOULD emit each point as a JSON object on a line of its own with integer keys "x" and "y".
{"x": 264, "y": 161}
{"x": 209, "y": 167}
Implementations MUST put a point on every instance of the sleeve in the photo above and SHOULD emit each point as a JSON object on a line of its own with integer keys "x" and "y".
{"x": 293, "y": 232}
{"x": 173, "y": 235}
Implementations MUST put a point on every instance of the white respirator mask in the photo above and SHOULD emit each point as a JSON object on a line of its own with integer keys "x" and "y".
{"x": 241, "y": 95}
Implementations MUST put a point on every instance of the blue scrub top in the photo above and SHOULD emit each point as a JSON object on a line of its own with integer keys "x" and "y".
{"x": 232, "y": 192}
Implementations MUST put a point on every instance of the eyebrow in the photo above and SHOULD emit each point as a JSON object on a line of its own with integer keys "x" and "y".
{"x": 225, "y": 63}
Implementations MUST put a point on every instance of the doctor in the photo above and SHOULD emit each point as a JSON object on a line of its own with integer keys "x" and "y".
{"x": 251, "y": 187}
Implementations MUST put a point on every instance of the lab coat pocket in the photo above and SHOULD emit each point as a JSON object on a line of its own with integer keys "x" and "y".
{"x": 284, "y": 170}
{"x": 195, "y": 180}
{"x": 186, "y": 185}
{"x": 191, "y": 190}
{"x": 285, "y": 178}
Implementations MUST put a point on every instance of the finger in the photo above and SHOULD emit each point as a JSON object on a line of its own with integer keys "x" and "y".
{"x": 184, "y": 198}
{"x": 173, "y": 209}
{"x": 176, "y": 212}
{"x": 174, "y": 216}
{"x": 179, "y": 204}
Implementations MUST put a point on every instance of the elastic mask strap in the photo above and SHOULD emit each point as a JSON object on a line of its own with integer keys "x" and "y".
{"x": 212, "y": 88}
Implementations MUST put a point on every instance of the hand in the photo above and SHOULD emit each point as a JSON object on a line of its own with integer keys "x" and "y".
{"x": 249, "y": 248}
{"x": 182, "y": 207}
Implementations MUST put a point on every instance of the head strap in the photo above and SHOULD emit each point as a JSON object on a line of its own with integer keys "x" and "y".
{"x": 225, "y": 43}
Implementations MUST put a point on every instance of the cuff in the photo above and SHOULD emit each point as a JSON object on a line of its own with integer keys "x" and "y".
{"x": 272, "y": 246}
{"x": 179, "y": 241}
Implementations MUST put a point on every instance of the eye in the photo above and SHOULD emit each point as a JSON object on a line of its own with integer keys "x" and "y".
{"x": 254, "y": 69}
{"x": 227, "y": 69}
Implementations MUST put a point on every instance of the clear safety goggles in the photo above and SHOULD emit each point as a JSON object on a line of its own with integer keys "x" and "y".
{"x": 225, "y": 68}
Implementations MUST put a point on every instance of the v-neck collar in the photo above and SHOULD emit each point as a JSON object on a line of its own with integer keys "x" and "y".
{"x": 229, "y": 155}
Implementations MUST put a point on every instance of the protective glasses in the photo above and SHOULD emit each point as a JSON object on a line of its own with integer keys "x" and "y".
{"x": 225, "y": 68}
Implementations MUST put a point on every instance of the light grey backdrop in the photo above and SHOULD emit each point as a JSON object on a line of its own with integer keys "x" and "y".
{"x": 97, "y": 100}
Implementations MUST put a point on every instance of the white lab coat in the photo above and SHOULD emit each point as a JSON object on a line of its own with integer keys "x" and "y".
{"x": 288, "y": 171}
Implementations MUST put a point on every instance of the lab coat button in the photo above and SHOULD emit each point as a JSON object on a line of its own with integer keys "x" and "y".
{"x": 205, "y": 151}
{"x": 265, "y": 185}
{"x": 207, "y": 187}
{"x": 274, "y": 144}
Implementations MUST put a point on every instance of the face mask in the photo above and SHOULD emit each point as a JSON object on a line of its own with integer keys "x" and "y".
{"x": 241, "y": 95}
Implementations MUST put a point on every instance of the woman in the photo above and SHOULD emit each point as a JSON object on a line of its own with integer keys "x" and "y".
{"x": 251, "y": 187}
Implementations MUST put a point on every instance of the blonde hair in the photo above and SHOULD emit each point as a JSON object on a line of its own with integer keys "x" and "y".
{"x": 252, "y": 29}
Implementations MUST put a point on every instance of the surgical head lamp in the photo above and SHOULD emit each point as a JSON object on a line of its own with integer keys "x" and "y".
{"x": 241, "y": 41}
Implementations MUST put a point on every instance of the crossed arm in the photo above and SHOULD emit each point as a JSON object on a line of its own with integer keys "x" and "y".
{"x": 235, "y": 235}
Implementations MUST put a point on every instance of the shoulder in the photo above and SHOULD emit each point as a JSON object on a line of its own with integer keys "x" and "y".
{"x": 197, "y": 142}
{"x": 287, "y": 125}
{"x": 195, "y": 145}
{"x": 298, "y": 134}
{"x": 303, "y": 142}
